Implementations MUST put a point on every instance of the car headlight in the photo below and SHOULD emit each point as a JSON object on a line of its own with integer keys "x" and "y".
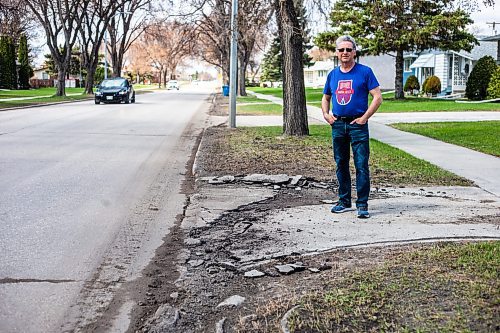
{"x": 98, "y": 93}
{"x": 122, "y": 92}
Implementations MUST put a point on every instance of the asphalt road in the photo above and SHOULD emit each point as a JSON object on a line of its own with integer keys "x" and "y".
{"x": 86, "y": 194}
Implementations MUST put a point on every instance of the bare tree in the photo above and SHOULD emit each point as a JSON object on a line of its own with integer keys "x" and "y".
{"x": 60, "y": 20}
{"x": 294, "y": 99}
{"x": 129, "y": 22}
{"x": 153, "y": 53}
{"x": 176, "y": 41}
{"x": 95, "y": 20}
{"x": 213, "y": 26}
{"x": 16, "y": 20}
{"x": 253, "y": 16}
{"x": 138, "y": 56}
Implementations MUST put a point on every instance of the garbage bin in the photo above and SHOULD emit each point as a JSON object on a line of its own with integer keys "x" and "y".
{"x": 225, "y": 90}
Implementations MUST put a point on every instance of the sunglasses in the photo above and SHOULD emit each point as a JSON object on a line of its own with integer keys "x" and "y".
{"x": 347, "y": 49}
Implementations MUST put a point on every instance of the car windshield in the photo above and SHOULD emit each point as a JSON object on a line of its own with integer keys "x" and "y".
{"x": 113, "y": 83}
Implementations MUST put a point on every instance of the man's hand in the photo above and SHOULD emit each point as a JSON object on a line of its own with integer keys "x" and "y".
{"x": 329, "y": 118}
{"x": 325, "y": 107}
{"x": 360, "y": 121}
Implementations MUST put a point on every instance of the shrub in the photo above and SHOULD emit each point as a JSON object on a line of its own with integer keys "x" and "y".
{"x": 494, "y": 85}
{"x": 411, "y": 84}
{"x": 432, "y": 85}
{"x": 479, "y": 78}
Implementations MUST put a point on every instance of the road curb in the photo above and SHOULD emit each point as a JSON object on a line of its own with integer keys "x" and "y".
{"x": 195, "y": 168}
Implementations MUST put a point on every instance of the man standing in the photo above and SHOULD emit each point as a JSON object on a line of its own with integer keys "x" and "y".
{"x": 350, "y": 83}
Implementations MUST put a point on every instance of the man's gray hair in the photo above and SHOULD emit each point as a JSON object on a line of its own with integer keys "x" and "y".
{"x": 346, "y": 38}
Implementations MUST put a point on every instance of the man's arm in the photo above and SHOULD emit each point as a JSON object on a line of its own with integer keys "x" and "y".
{"x": 325, "y": 107}
{"x": 374, "y": 105}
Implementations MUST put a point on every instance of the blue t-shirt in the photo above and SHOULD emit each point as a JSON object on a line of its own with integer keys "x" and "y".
{"x": 350, "y": 90}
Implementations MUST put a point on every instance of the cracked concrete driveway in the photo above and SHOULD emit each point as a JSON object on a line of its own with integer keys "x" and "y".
{"x": 399, "y": 215}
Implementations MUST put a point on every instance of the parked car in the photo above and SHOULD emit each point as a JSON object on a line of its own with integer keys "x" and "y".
{"x": 173, "y": 84}
{"x": 115, "y": 90}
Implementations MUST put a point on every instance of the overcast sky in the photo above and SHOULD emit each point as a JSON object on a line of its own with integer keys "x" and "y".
{"x": 487, "y": 15}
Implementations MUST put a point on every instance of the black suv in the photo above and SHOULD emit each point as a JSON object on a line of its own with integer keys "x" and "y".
{"x": 115, "y": 90}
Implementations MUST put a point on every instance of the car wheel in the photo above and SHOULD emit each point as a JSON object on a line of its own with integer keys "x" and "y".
{"x": 97, "y": 101}
{"x": 133, "y": 98}
{"x": 127, "y": 99}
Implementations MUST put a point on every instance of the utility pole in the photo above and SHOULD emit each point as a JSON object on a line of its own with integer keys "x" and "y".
{"x": 234, "y": 64}
{"x": 106, "y": 53}
{"x": 492, "y": 25}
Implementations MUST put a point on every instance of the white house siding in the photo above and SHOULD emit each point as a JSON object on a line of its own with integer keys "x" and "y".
{"x": 384, "y": 68}
{"x": 441, "y": 69}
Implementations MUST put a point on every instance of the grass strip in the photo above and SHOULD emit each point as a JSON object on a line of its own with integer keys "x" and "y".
{"x": 250, "y": 99}
{"x": 36, "y": 92}
{"x": 445, "y": 288}
{"x": 260, "y": 109}
{"x": 312, "y": 155}
{"x": 483, "y": 136}
{"x": 41, "y": 101}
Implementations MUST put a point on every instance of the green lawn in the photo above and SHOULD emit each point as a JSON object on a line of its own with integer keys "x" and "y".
{"x": 250, "y": 99}
{"x": 36, "y": 92}
{"x": 388, "y": 165}
{"x": 257, "y": 107}
{"x": 260, "y": 109}
{"x": 138, "y": 86}
{"x": 37, "y": 101}
{"x": 444, "y": 288}
{"x": 483, "y": 136}
{"x": 410, "y": 104}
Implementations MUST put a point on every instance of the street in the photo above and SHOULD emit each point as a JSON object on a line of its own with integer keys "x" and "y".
{"x": 87, "y": 193}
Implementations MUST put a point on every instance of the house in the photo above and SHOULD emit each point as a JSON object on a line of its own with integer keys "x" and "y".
{"x": 496, "y": 39}
{"x": 315, "y": 76}
{"x": 451, "y": 67}
{"x": 41, "y": 73}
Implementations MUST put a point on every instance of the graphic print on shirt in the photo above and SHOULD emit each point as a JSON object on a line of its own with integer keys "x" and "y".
{"x": 344, "y": 92}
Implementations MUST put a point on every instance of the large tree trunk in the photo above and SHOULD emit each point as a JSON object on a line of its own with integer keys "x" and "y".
{"x": 165, "y": 78}
{"x": 89, "y": 79}
{"x": 294, "y": 99}
{"x": 61, "y": 82}
{"x": 242, "y": 79}
{"x": 398, "y": 84}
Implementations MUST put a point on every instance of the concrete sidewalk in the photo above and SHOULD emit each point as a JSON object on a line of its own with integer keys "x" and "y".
{"x": 482, "y": 169}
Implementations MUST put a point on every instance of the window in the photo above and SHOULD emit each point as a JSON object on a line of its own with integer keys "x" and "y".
{"x": 322, "y": 73}
{"x": 309, "y": 76}
{"x": 427, "y": 71}
{"x": 408, "y": 62}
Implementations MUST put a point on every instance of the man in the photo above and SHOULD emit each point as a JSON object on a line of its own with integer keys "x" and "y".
{"x": 350, "y": 83}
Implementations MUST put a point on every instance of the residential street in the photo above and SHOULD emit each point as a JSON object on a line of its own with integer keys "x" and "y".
{"x": 87, "y": 193}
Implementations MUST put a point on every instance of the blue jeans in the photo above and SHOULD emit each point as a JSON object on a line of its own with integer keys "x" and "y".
{"x": 344, "y": 136}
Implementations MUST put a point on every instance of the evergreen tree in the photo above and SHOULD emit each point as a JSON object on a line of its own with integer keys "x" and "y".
{"x": 12, "y": 63}
{"x": 383, "y": 26}
{"x": 2, "y": 62}
{"x": 25, "y": 70}
{"x": 8, "y": 75}
{"x": 271, "y": 64}
{"x": 479, "y": 78}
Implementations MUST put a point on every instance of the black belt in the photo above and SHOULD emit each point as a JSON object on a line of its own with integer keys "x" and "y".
{"x": 346, "y": 119}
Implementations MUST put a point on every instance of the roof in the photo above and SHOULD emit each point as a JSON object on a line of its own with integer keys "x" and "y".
{"x": 321, "y": 66}
{"x": 425, "y": 60}
{"x": 491, "y": 38}
{"x": 463, "y": 54}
